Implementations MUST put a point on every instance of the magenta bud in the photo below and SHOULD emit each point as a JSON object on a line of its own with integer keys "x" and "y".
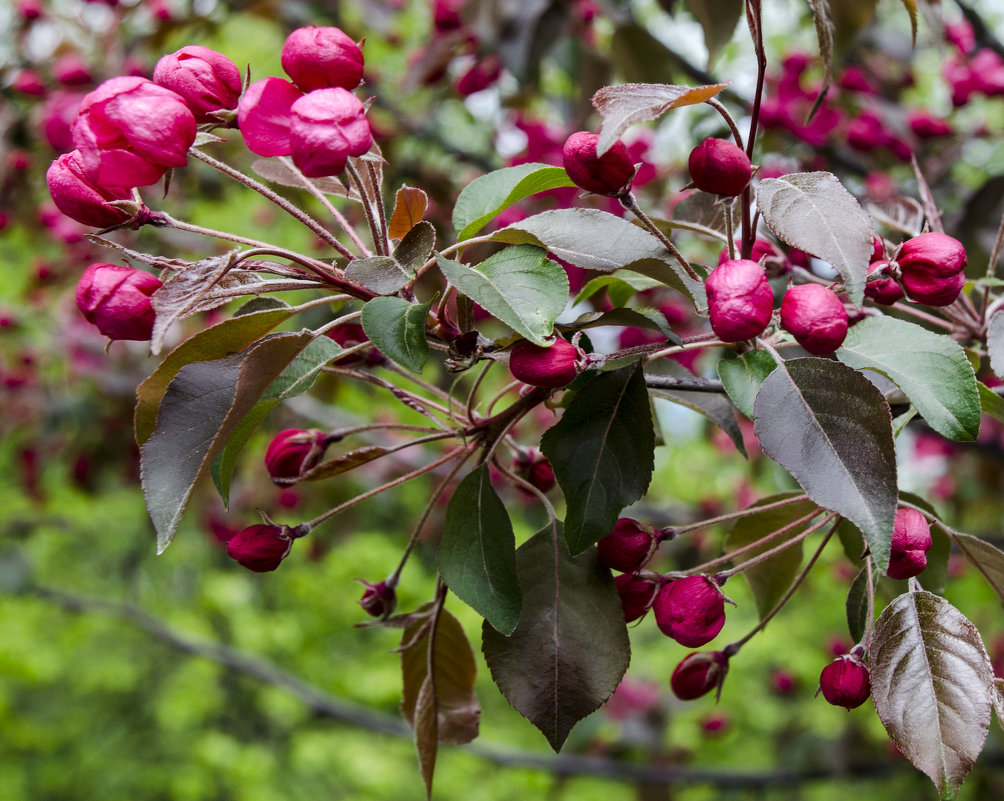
{"x": 71, "y": 70}
{"x": 740, "y": 301}
{"x": 636, "y": 595}
{"x": 554, "y": 366}
{"x": 327, "y": 126}
{"x": 533, "y": 466}
{"x": 815, "y": 316}
{"x": 629, "y": 546}
{"x": 698, "y": 674}
{"x": 925, "y": 125}
{"x": 720, "y": 167}
{"x": 319, "y": 57}
{"x": 690, "y": 610}
{"x": 610, "y": 174}
{"x": 293, "y": 452}
{"x": 116, "y": 300}
{"x": 480, "y": 76}
{"x": 378, "y": 599}
{"x": 933, "y": 267}
{"x": 911, "y": 539}
{"x": 263, "y": 115}
{"x": 80, "y": 198}
{"x": 883, "y": 290}
{"x": 844, "y": 682}
{"x": 206, "y": 80}
{"x": 28, "y": 82}
{"x": 348, "y": 335}
{"x": 260, "y": 548}
{"x": 878, "y": 248}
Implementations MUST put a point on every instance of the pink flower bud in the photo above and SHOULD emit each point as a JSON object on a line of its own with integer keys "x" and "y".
{"x": 293, "y": 452}
{"x": 610, "y": 174}
{"x": 690, "y": 610}
{"x": 378, "y": 599}
{"x": 327, "y": 127}
{"x": 740, "y": 301}
{"x": 878, "y": 248}
{"x": 636, "y": 595}
{"x": 720, "y": 167}
{"x": 348, "y": 335}
{"x": 883, "y": 290}
{"x": 71, "y": 70}
{"x": 698, "y": 674}
{"x": 57, "y": 113}
{"x": 264, "y": 117}
{"x": 926, "y": 126}
{"x": 628, "y": 547}
{"x": 933, "y": 268}
{"x": 260, "y": 548}
{"x": 815, "y": 316}
{"x": 78, "y": 197}
{"x": 534, "y": 468}
{"x": 480, "y": 76}
{"x": 844, "y": 682}
{"x": 322, "y": 57}
{"x": 116, "y": 299}
{"x": 29, "y": 9}
{"x": 130, "y": 131}
{"x": 206, "y": 80}
{"x": 554, "y": 366}
{"x": 446, "y": 15}
{"x": 28, "y": 82}
{"x": 911, "y": 539}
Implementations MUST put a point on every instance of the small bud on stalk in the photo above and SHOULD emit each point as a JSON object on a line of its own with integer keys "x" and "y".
{"x": 551, "y": 367}
{"x": 116, "y": 300}
{"x": 292, "y": 452}
{"x": 260, "y": 548}
{"x": 698, "y": 674}
{"x": 844, "y": 682}
{"x": 378, "y": 599}
{"x": 815, "y": 316}
{"x": 933, "y": 268}
{"x": 610, "y": 174}
{"x": 690, "y": 610}
{"x": 911, "y": 539}
{"x": 720, "y": 167}
{"x": 629, "y": 546}
{"x": 740, "y": 301}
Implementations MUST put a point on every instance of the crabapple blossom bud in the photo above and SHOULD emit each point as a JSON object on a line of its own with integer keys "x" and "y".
{"x": 878, "y": 248}
{"x": 552, "y": 367}
{"x": 29, "y": 10}
{"x": 815, "y": 316}
{"x": 116, "y": 300}
{"x": 71, "y": 70}
{"x": 720, "y": 167}
{"x": 533, "y": 466}
{"x": 698, "y": 674}
{"x": 129, "y": 131}
{"x": 883, "y": 290}
{"x": 378, "y": 599}
{"x": 926, "y": 126}
{"x": 57, "y": 113}
{"x": 446, "y": 15}
{"x": 263, "y": 116}
{"x": 844, "y": 682}
{"x": 740, "y": 301}
{"x": 610, "y": 174}
{"x": 628, "y": 547}
{"x": 480, "y": 76}
{"x": 28, "y": 82}
{"x": 636, "y": 595}
{"x": 207, "y": 81}
{"x": 80, "y": 198}
{"x": 690, "y": 610}
{"x": 327, "y": 126}
{"x": 911, "y": 539}
{"x": 933, "y": 268}
{"x": 293, "y": 452}
{"x": 260, "y": 548}
{"x": 319, "y": 57}
{"x": 348, "y": 335}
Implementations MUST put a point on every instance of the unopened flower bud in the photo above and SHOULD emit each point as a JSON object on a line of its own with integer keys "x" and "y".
{"x": 293, "y": 452}
{"x": 698, "y": 674}
{"x": 80, "y": 198}
{"x": 319, "y": 57}
{"x": 815, "y": 316}
{"x": 878, "y": 248}
{"x": 348, "y": 335}
{"x": 883, "y": 290}
{"x": 378, "y": 599}
{"x": 933, "y": 268}
{"x": 260, "y": 548}
{"x": 636, "y": 595}
{"x": 911, "y": 539}
{"x": 844, "y": 682}
{"x": 480, "y": 76}
{"x": 610, "y": 174}
{"x": 263, "y": 116}
{"x": 71, "y": 70}
{"x": 327, "y": 126}
{"x": 554, "y": 366}
{"x": 720, "y": 167}
{"x": 206, "y": 80}
{"x": 740, "y": 301}
{"x": 533, "y": 466}
{"x": 691, "y": 610}
{"x": 629, "y": 546}
{"x": 116, "y": 300}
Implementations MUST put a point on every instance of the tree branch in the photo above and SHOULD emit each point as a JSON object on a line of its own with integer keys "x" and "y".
{"x": 684, "y": 383}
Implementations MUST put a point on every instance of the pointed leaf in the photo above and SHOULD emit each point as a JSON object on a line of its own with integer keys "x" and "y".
{"x": 829, "y": 427}
{"x": 397, "y": 328}
{"x": 486, "y": 197}
{"x": 813, "y": 212}
{"x": 718, "y": 20}
{"x": 985, "y": 557}
{"x": 519, "y": 286}
{"x": 383, "y": 274}
{"x": 931, "y": 369}
{"x": 410, "y": 206}
{"x": 933, "y": 685}
{"x": 426, "y": 733}
{"x": 743, "y": 376}
{"x": 416, "y": 246}
{"x": 621, "y": 286}
{"x": 345, "y": 462}
{"x": 857, "y": 606}
{"x": 477, "y": 555}
{"x": 825, "y": 31}
{"x": 570, "y": 648}
{"x": 602, "y": 453}
{"x": 990, "y": 402}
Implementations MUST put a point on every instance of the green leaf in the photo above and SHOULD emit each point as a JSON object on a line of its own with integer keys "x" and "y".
{"x": 383, "y": 274}
{"x": 598, "y": 240}
{"x": 488, "y": 196}
{"x": 201, "y": 408}
{"x": 830, "y": 427}
{"x": 570, "y": 648}
{"x": 477, "y": 555}
{"x": 985, "y": 558}
{"x": 813, "y": 212}
{"x": 416, "y": 246}
{"x": 718, "y": 20}
{"x": 519, "y": 286}
{"x": 397, "y": 328}
{"x": 990, "y": 402}
{"x": 621, "y": 286}
{"x": 602, "y": 452}
{"x": 651, "y": 319}
{"x": 857, "y": 606}
{"x": 933, "y": 686}
{"x": 931, "y": 369}
{"x": 743, "y": 376}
